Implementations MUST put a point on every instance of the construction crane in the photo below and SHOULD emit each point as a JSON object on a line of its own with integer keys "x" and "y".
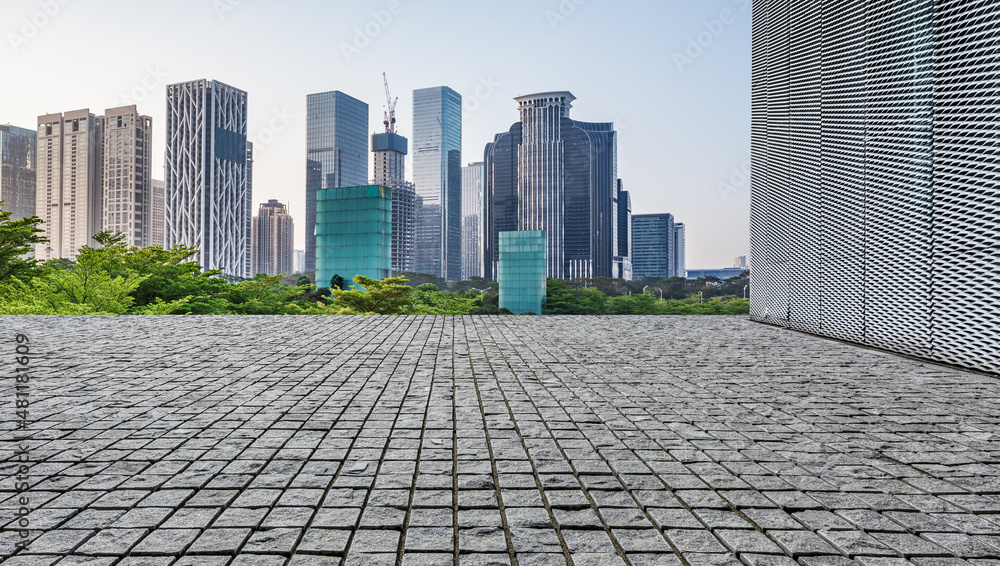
{"x": 390, "y": 113}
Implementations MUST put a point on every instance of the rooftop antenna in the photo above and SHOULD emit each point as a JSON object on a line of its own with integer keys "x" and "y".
{"x": 390, "y": 113}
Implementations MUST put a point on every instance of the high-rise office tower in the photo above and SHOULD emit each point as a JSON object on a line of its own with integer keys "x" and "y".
{"x": 653, "y": 246}
{"x": 336, "y": 152}
{"x": 874, "y": 211}
{"x": 552, "y": 173}
{"x": 300, "y": 261}
{"x": 69, "y": 186}
{"x": 206, "y": 182}
{"x": 249, "y": 212}
{"x": 17, "y": 170}
{"x": 127, "y": 205}
{"x": 437, "y": 173}
{"x": 273, "y": 235}
{"x": 623, "y": 234}
{"x": 472, "y": 227}
{"x": 680, "y": 258}
{"x": 389, "y": 150}
{"x": 157, "y": 212}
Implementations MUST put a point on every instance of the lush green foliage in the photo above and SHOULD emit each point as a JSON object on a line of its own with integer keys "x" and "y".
{"x": 17, "y": 239}
{"x": 113, "y": 278}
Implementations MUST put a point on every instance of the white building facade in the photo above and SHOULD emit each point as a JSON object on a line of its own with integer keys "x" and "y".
{"x": 207, "y": 188}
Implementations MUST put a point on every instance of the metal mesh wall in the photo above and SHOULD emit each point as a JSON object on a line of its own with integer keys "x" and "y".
{"x": 875, "y": 211}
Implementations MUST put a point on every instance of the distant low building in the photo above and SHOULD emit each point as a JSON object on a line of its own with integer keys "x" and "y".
{"x": 724, "y": 273}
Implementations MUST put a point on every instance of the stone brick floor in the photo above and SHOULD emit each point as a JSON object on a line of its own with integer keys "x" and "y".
{"x": 492, "y": 440}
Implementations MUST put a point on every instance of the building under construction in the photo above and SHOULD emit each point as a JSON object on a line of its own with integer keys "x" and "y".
{"x": 390, "y": 171}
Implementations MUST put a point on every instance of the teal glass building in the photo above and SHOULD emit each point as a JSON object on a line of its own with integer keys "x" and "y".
{"x": 353, "y": 233}
{"x": 521, "y": 270}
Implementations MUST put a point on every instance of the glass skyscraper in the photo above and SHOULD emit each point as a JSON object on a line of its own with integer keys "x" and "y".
{"x": 472, "y": 227}
{"x": 623, "y": 234}
{"x": 521, "y": 271}
{"x": 552, "y": 173}
{"x": 353, "y": 233}
{"x": 437, "y": 173}
{"x": 874, "y": 209}
{"x": 336, "y": 152}
{"x": 17, "y": 170}
{"x": 654, "y": 246}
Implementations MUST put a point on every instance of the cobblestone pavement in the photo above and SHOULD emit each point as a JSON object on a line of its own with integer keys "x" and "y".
{"x": 475, "y": 441}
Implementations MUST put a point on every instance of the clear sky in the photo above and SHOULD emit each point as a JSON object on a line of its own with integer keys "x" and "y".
{"x": 674, "y": 76}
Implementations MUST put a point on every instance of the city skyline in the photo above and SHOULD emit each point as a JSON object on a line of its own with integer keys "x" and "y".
{"x": 683, "y": 142}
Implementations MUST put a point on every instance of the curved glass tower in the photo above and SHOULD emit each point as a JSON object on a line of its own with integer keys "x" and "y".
{"x": 552, "y": 173}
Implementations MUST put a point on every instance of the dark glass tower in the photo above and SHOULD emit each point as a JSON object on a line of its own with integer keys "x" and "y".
{"x": 552, "y": 173}
{"x": 336, "y": 152}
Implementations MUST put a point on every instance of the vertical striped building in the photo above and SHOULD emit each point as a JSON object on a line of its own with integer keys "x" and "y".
{"x": 207, "y": 174}
{"x": 875, "y": 210}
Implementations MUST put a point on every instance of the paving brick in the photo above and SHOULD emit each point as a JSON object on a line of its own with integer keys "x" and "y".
{"x": 592, "y": 436}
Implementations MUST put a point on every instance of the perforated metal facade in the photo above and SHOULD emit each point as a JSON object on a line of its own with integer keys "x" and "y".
{"x": 875, "y": 210}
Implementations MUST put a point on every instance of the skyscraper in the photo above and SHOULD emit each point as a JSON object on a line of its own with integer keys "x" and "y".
{"x": 17, "y": 170}
{"x": 653, "y": 246}
{"x": 472, "y": 227}
{"x": 273, "y": 235}
{"x": 127, "y": 200}
{"x": 336, "y": 152}
{"x": 157, "y": 212}
{"x": 389, "y": 150}
{"x": 249, "y": 211}
{"x": 874, "y": 213}
{"x": 206, "y": 182}
{"x": 623, "y": 267}
{"x": 69, "y": 186}
{"x": 437, "y": 172}
{"x": 552, "y": 173}
{"x": 680, "y": 254}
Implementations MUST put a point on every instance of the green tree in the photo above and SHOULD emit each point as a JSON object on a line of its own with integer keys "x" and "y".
{"x": 337, "y": 282}
{"x": 388, "y": 296}
{"x": 17, "y": 238}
